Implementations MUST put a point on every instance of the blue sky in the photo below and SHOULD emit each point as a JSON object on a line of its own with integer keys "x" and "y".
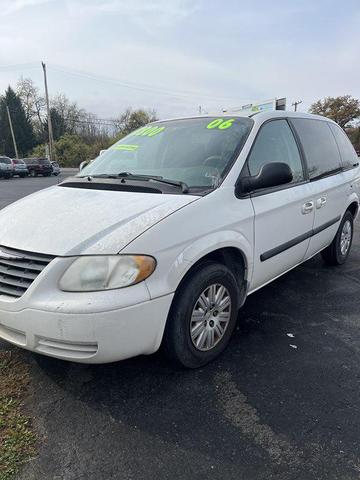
{"x": 174, "y": 55}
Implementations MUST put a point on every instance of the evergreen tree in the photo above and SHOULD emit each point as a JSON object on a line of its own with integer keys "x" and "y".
{"x": 23, "y": 130}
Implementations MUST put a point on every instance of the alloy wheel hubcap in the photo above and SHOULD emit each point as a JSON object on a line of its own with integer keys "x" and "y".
{"x": 345, "y": 237}
{"x": 210, "y": 317}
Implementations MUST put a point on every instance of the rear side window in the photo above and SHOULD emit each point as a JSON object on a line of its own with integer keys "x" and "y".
{"x": 321, "y": 151}
{"x": 5, "y": 160}
{"x": 348, "y": 155}
{"x": 275, "y": 143}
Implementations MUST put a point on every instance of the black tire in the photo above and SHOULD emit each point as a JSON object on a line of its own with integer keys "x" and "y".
{"x": 177, "y": 343}
{"x": 333, "y": 255}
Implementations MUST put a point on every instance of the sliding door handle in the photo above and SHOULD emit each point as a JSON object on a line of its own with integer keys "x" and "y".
{"x": 320, "y": 202}
{"x": 307, "y": 207}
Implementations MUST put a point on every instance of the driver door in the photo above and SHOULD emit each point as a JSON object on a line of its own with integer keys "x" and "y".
{"x": 284, "y": 215}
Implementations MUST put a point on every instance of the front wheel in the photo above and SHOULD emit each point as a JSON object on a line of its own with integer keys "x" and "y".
{"x": 202, "y": 317}
{"x": 338, "y": 251}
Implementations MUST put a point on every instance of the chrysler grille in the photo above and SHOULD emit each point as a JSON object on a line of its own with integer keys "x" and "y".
{"x": 18, "y": 269}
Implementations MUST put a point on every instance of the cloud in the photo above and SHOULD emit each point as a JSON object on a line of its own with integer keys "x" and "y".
{"x": 13, "y": 6}
{"x": 143, "y": 12}
{"x": 241, "y": 51}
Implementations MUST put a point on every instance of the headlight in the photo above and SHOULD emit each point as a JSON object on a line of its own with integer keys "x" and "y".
{"x": 106, "y": 272}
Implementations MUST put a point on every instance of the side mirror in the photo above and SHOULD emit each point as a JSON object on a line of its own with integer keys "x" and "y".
{"x": 83, "y": 165}
{"x": 270, "y": 175}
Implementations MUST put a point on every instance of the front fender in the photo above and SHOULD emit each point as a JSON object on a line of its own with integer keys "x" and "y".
{"x": 163, "y": 284}
{"x": 215, "y": 221}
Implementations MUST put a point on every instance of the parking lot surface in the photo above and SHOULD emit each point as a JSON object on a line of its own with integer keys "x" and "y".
{"x": 282, "y": 402}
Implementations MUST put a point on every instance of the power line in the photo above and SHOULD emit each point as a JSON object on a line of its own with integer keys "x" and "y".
{"x": 141, "y": 87}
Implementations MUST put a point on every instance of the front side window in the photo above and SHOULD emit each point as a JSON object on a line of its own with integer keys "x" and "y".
{"x": 321, "y": 151}
{"x": 348, "y": 155}
{"x": 196, "y": 151}
{"x": 276, "y": 143}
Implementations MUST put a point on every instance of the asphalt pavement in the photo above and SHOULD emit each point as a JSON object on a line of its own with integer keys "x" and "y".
{"x": 282, "y": 402}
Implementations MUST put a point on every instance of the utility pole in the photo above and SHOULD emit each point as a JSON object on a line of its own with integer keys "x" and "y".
{"x": 295, "y": 104}
{"x": 12, "y": 132}
{"x": 51, "y": 138}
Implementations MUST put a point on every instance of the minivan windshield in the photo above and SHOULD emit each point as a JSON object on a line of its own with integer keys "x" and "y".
{"x": 5, "y": 160}
{"x": 196, "y": 151}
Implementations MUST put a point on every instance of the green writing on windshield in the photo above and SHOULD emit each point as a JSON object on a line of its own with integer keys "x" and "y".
{"x": 148, "y": 131}
{"x": 221, "y": 124}
{"x": 128, "y": 148}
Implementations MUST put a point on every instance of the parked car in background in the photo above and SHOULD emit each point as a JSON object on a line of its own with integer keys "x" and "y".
{"x": 19, "y": 167}
{"x": 39, "y": 166}
{"x": 6, "y": 167}
{"x": 55, "y": 168}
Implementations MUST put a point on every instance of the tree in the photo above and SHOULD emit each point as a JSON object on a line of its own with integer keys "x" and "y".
{"x": 22, "y": 126}
{"x": 354, "y": 135}
{"x": 343, "y": 110}
{"x": 34, "y": 106}
{"x": 69, "y": 113}
{"x": 58, "y": 124}
{"x": 131, "y": 120}
{"x": 71, "y": 150}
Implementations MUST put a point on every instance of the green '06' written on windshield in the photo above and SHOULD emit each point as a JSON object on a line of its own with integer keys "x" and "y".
{"x": 221, "y": 124}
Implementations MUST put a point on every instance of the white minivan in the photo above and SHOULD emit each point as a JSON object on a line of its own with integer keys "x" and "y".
{"x": 159, "y": 241}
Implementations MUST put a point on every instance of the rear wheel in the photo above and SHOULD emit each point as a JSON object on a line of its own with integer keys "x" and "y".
{"x": 338, "y": 251}
{"x": 202, "y": 317}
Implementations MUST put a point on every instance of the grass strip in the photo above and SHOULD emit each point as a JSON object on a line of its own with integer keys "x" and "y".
{"x": 17, "y": 440}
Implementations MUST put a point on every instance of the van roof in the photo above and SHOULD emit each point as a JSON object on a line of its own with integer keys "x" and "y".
{"x": 258, "y": 116}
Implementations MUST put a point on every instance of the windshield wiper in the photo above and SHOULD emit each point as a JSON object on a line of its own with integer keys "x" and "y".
{"x": 134, "y": 176}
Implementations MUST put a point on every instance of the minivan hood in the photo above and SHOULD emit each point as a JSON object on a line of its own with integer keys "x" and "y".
{"x": 73, "y": 221}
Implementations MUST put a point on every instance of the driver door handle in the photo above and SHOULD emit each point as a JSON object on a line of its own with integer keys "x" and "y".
{"x": 307, "y": 207}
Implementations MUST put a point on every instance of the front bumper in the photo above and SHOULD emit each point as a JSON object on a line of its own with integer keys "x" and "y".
{"x": 99, "y": 337}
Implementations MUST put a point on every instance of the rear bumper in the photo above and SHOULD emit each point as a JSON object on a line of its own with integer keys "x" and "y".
{"x": 99, "y": 337}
